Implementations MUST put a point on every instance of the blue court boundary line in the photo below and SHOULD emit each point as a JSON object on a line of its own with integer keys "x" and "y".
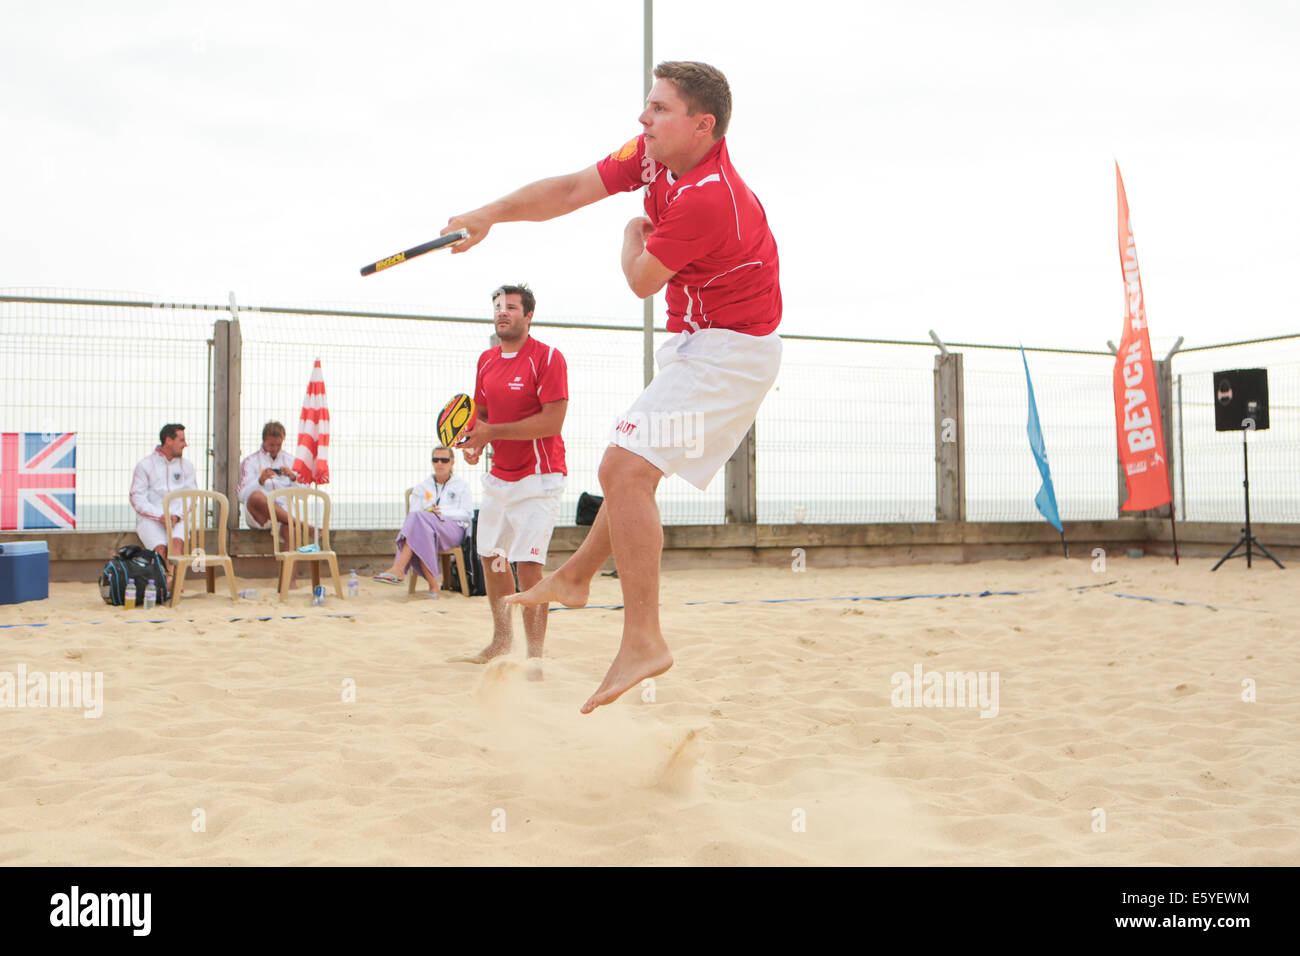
{"x": 1212, "y": 607}
{"x": 909, "y": 597}
{"x": 619, "y": 607}
{"x": 862, "y": 597}
{"x": 180, "y": 620}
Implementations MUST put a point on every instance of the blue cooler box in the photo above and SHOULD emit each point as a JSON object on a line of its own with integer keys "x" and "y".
{"x": 24, "y": 571}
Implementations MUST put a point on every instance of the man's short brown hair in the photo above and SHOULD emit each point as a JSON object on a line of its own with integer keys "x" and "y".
{"x": 525, "y": 294}
{"x": 272, "y": 430}
{"x": 704, "y": 89}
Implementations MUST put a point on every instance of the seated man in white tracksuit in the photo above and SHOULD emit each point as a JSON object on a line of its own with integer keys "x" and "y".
{"x": 158, "y": 473}
{"x": 266, "y": 470}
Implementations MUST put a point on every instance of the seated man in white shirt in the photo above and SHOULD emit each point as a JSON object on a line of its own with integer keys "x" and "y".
{"x": 268, "y": 469}
{"x": 158, "y": 473}
{"x": 439, "y": 518}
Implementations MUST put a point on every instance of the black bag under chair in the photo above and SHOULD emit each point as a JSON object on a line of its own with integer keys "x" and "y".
{"x": 135, "y": 564}
{"x": 469, "y": 560}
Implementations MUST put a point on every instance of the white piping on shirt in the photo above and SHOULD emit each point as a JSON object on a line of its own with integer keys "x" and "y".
{"x": 712, "y": 178}
{"x": 733, "y": 203}
{"x": 700, "y": 293}
{"x": 690, "y": 306}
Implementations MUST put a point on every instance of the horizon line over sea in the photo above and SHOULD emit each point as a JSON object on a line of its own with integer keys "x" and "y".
{"x": 358, "y": 513}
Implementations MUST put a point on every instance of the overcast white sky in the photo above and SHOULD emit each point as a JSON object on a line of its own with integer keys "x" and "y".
{"x": 923, "y": 164}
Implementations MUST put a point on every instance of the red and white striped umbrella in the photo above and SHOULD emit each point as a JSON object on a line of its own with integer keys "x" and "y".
{"x": 310, "y": 462}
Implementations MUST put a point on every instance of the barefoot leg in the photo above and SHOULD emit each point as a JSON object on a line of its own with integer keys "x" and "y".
{"x": 570, "y": 584}
{"x": 637, "y": 537}
{"x": 530, "y": 573}
{"x": 499, "y": 583}
{"x": 635, "y": 661}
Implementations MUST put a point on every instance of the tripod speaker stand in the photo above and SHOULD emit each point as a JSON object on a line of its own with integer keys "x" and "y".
{"x": 1241, "y": 404}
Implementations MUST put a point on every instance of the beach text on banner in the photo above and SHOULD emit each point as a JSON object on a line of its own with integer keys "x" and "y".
{"x": 1137, "y": 404}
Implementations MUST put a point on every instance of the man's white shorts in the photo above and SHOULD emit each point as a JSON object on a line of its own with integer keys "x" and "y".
{"x": 516, "y": 518}
{"x": 695, "y": 413}
{"x": 152, "y": 533}
{"x": 252, "y": 522}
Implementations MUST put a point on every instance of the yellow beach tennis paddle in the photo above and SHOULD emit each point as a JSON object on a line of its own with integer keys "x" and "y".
{"x": 456, "y": 418}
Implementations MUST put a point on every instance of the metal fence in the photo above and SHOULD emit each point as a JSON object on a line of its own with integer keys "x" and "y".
{"x": 847, "y": 434}
{"x": 1209, "y": 483}
{"x": 114, "y": 376}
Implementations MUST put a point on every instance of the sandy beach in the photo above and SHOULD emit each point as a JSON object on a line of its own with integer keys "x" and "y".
{"x": 265, "y": 733}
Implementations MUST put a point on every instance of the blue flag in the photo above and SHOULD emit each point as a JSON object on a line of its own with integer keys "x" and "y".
{"x": 1045, "y": 500}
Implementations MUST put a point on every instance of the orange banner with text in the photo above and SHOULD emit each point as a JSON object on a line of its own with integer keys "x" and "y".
{"x": 1137, "y": 404}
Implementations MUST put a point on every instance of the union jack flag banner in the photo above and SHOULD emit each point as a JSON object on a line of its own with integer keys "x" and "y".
{"x": 38, "y": 480}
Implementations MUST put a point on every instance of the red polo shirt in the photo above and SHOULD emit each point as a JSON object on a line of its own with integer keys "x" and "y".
{"x": 512, "y": 387}
{"x": 712, "y": 232}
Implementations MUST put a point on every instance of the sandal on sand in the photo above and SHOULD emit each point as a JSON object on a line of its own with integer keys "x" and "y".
{"x": 387, "y": 578}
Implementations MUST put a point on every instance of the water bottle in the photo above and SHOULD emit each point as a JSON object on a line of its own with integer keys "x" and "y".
{"x": 130, "y": 594}
{"x": 318, "y": 595}
{"x": 354, "y": 586}
{"x": 249, "y": 594}
{"x": 150, "y": 595}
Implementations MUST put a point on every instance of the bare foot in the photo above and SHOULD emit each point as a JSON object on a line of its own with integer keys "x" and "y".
{"x": 553, "y": 588}
{"x": 632, "y": 664}
{"x": 483, "y": 656}
{"x": 533, "y": 669}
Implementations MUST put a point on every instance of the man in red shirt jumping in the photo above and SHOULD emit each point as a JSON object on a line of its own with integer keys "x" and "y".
{"x": 521, "y": 392}
{"x": 705, "y": 236}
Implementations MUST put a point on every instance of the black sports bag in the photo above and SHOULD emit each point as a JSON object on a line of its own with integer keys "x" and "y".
{"x": 588, "y": 507}
{"x": 469, "y": 560}
{"x": 136, "y": 564}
